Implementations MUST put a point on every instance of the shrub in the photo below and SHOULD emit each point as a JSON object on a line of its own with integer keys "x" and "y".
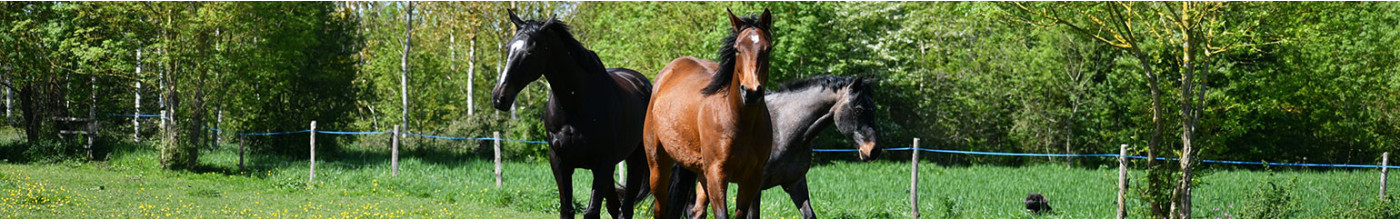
{"x": 1272, "y": 201}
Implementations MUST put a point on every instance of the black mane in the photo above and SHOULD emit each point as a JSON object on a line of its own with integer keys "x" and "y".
{"x": 824, "y": 81}
{"x": 726, "y": 56}
{"x": 561, "y": 31}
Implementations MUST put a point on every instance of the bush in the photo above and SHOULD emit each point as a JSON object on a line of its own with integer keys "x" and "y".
{"x": 1273, "y": 201}
{"x": 42, "y": 152}
{"x": 1370, "y": 209}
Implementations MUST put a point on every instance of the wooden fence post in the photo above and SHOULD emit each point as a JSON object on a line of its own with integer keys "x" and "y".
{"x": 394, "y": 162}
{"x": 914, "y": 180}
{"x": 497, "y": 136}
{"x": 1122, "y": 181}
{"x": 1385, "y": 161}
{"x": 312, "y": 178}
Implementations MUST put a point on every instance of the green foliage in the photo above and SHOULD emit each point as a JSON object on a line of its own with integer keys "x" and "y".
{"x": 1361, "y": 208}
{"x": 1273, "y": 200}
{"x": 1313, "y": 84}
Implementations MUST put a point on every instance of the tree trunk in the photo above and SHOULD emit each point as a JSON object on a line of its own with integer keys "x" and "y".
{"x": 403, "y": 76}
{"x": 1190, "y": 119}
{"x": 1181, "y": 199}
{"x": 175, "y": 154}
{"x": 136, "y": 120}
{"x": 471, "y": 75}
{"x": 172, "y": 156}
{"x": 9, "y": 107}
{"x": 1154, "y": 179}
{"x": 31, "y": 114}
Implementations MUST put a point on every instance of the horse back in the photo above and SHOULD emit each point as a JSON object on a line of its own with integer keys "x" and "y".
{"x": 684, "y": 72}
{"x": 631, "y": 82}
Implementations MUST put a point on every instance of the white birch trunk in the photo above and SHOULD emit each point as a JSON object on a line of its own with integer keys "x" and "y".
{"x": 403, "y": 76}
{"x": 136, "y": 120}
{"x": 471, "y": 75}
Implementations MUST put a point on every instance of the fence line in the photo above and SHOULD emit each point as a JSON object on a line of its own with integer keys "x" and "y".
{"x": 814, "y": 150}
{"x": 371, "y": 133}
{"x": 351, "y": 132}
{"x": 1115, "y": 155}
{"x": 914, "y": 170}
{"x": 136, "y": 115}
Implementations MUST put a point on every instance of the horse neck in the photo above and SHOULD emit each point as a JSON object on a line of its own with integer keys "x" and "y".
{"x": 800, "y": 115}
{"x": 574, "y": 73}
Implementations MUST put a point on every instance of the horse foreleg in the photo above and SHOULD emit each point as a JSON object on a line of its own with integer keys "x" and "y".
{"x": 798, "y": 192}
{"x": 753, "y": 206}
{"x": 715, "y": 187}
{"x": 635, "y": 185}
{"x": 746, "y": 205}
{"x": 563, "y": 178}
{"x": 697, "y": 210}
{"x": 602, "y": 189}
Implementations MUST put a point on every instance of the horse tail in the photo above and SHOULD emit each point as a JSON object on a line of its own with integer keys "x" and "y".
{"x": 637, "y": 176}
{"x": 641, "y": 194}
{"x": 682, "y": 192}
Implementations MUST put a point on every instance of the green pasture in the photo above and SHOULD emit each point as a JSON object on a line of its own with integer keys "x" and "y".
{"x": 358, "y": 184}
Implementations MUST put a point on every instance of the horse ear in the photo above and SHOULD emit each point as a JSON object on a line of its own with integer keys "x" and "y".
{"x": 514, "y": 19}
{"x": 734, "y": 21}
{"x": 862, "y": 83}
{"x": 549, "y": 22}
{"x": 766, "y": 19}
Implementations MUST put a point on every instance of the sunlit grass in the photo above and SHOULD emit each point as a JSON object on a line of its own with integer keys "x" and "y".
{"x": 130, "y": 185}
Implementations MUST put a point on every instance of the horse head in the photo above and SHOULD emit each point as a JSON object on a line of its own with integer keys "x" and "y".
{"x": 526, "y": 56}
{"x": 855, "y": 117}
{"x": 751, "y": 45}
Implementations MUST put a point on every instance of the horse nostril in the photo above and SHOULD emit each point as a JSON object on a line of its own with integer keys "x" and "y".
{"x": 869, "y": 151}
{"x": 750, "y": 97}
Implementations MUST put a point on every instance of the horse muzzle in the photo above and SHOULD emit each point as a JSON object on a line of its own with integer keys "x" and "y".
{"x": 869, "y": 151}
{"x": 502, "y": 98}
{"x": 750, "y": 97}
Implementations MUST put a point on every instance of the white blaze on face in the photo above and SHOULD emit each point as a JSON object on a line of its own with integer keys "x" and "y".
{"x": 753, "y": 38}
{"x": 517, "y": 45}
{"x": 514, "y": 46}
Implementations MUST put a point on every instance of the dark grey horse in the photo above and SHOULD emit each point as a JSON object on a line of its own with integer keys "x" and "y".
{"x": 800, "y": 109}
{"x": 594, "y": 116}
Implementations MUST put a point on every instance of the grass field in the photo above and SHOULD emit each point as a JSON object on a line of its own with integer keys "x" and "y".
{"x": 358, "y": 185}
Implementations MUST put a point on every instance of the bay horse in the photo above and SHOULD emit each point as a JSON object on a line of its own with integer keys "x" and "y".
{"x": 800, "y": 110}
{"x": 710, "y": 118}
{"x": 594, "y": 116}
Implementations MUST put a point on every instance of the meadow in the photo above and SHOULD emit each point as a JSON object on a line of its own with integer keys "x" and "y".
{"x": 357, "y": 184}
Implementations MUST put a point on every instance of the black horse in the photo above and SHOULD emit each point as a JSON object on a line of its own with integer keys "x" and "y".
{"x": 594, "y": 116}
{"x": 800, "y": 109}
